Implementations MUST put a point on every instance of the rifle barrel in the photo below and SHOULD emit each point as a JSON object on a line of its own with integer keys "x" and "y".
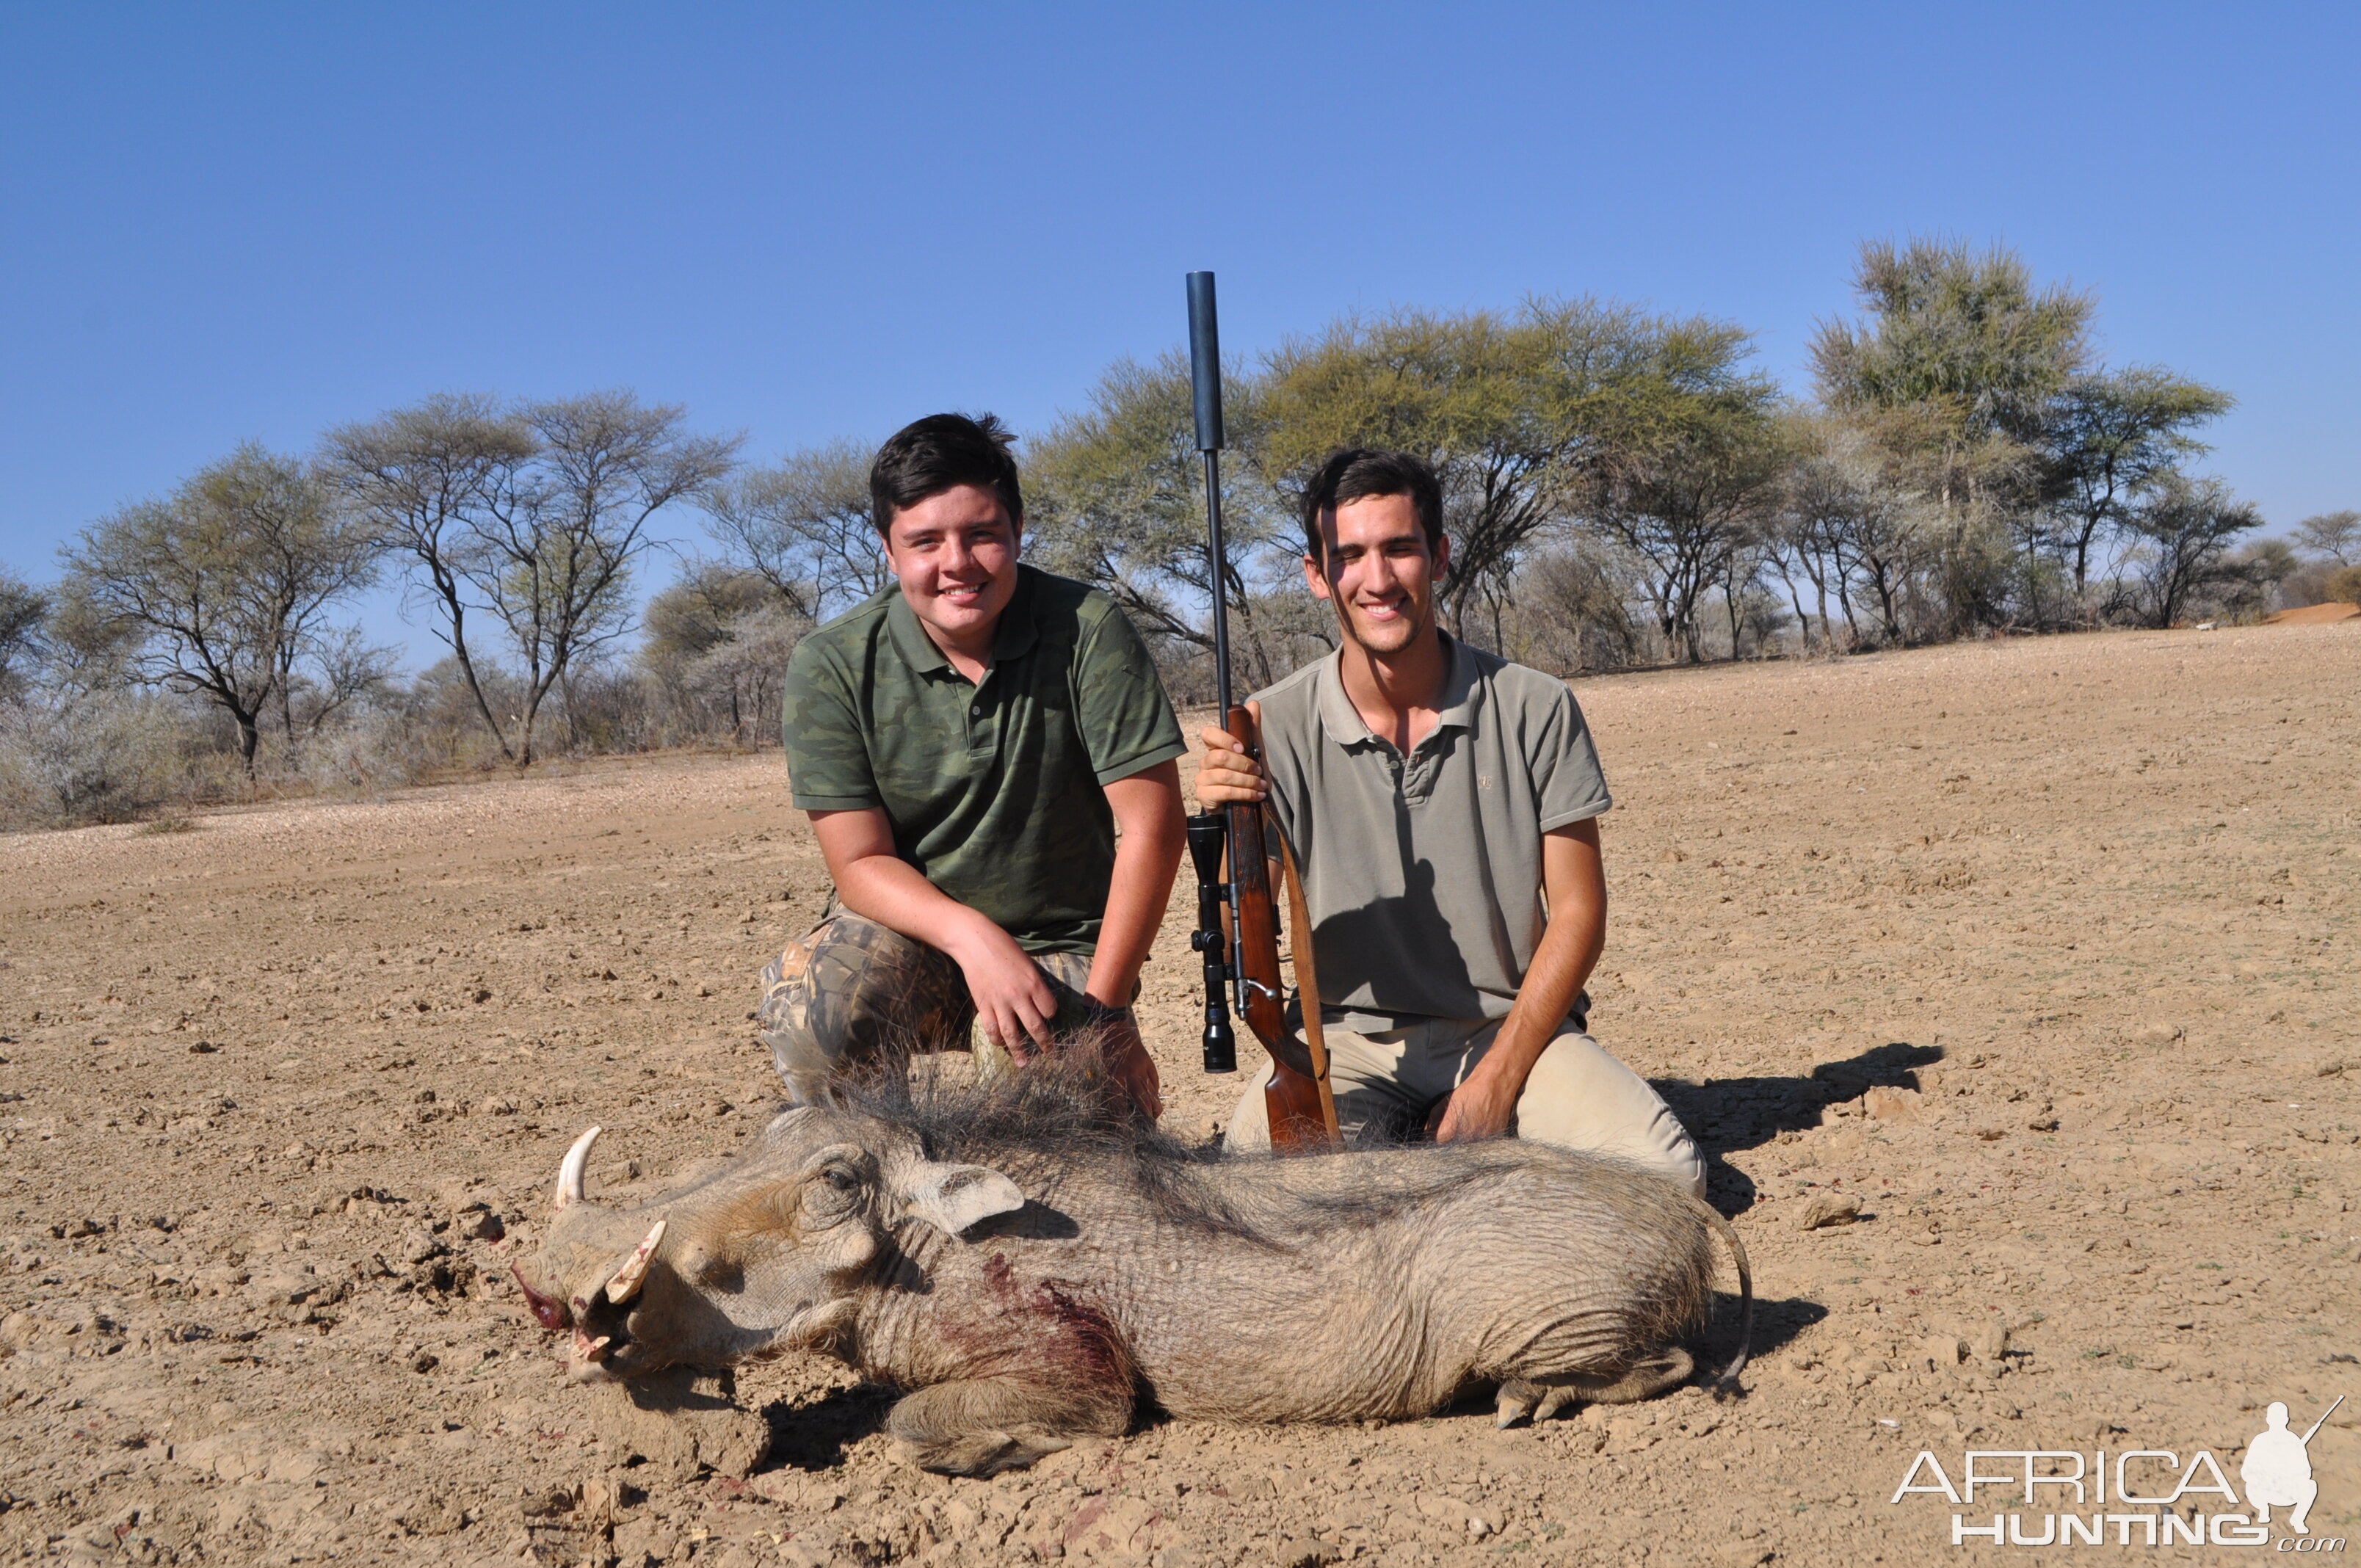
{"x": 1205, "y": 361}
{"x": 1205, "y": 387}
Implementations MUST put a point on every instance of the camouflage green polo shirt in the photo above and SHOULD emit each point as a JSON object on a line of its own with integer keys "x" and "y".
{"x": 996, "y": 790}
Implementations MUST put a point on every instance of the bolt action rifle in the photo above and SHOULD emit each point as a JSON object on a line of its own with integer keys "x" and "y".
{"x": 1237, "y": 922}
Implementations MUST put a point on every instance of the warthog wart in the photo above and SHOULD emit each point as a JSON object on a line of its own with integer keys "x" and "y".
{"x": 1030, "y": 1261}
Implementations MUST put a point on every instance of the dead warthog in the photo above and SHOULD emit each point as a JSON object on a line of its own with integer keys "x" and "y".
{"x": 1030, "y": 1262}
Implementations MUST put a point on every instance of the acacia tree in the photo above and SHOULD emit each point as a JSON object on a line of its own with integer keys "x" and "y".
{"x": 222, "y": 587}
{"x": 1956, "y": 370}
{"x": 1512, "y": 412}
{"x": 1960, "y": 334}
{"x": 1690, "y": 501}
{"x": 555, "y": 567}
{"x": 804, "y": 526}
{"x": 2335, "y": 535}
{"x": 722, "y": 631}
{"x": 1117, "y": 496}
{"x": 24, "y": 615}
{"x": 1808, "y": 534}
{"x": 428, "y": 480}
{"x": 2187, "y": 528}
{"x": 2111, "y": 436}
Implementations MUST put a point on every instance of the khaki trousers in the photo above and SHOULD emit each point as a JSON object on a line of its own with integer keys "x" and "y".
{"x": 1577, "y": 1097}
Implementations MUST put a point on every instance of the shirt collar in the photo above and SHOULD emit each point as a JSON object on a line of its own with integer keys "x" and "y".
{"x": 1018, "y": 630}
{"x": 1344, "y": 725}
{"x": 1012, "y": 639}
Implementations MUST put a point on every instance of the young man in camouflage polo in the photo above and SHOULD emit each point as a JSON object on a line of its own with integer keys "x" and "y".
{"x": 966, "y": 743}
{"x": 1443, "y": 807}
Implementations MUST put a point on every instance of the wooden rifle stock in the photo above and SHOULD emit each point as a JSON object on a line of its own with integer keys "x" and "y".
{"x": 1301, "y": 1109}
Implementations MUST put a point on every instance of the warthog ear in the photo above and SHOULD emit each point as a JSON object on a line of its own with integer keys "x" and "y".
{"x": 952, "y": 1197}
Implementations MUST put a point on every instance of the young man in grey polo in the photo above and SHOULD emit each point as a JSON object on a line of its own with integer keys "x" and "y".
{"x": 1442, "y": 804}
{"x": 968, "y": 743}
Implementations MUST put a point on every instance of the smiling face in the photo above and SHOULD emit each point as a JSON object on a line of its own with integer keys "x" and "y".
{"x": 955, "y": 555}
{"x": 1380, "y": 572}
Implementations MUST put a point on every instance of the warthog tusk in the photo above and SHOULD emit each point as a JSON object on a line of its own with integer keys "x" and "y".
{"x": 593, "y": 1349}
{"x": 626, "y": 1283}
{"x": 569, "y": 1172}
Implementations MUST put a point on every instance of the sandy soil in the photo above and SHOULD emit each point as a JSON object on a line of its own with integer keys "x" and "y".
{"x": 2042, "y": 951}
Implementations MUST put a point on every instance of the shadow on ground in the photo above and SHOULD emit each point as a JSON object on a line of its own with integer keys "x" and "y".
{"x": 1724, "y": 1115}
{"x": 1776, "y": 1324}
{"x": 815, "y": 1436}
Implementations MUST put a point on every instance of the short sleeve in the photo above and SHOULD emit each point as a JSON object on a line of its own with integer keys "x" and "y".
{"x": 1126, "y": 720}
{"x": 1567, "y": 783}
{"x": 827, "y": 754}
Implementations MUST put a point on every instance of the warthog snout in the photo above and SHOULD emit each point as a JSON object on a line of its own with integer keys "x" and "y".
{"x": 746, "y": 1259}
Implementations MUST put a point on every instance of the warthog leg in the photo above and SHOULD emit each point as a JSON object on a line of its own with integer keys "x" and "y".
{"x": 982, "y": 1426}
{"x": 1539, "y": 1400}
{"x": 1516, "y": 1401}
{"x": 1643, "y": 1379}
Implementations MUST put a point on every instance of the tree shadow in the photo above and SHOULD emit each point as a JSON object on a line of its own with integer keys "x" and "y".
{"x": 1724, "y": 1114}
{"x": 815, "y": 1436}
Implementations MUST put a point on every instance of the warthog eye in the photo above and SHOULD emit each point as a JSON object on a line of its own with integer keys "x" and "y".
{"x": 841, "y": 1179}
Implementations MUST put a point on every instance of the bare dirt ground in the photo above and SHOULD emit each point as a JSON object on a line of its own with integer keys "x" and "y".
{"x": 2044, "y": 952}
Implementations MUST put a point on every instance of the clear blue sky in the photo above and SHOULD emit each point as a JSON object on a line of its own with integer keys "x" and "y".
{"x": 221, "y": 222}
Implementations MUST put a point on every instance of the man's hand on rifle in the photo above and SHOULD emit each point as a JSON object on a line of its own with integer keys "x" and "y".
{"x": 1227, "y": 777}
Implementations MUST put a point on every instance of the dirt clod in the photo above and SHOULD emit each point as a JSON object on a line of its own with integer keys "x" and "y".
{"x": 1826, "y": 1209}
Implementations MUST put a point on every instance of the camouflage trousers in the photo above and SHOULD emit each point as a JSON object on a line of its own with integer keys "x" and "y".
{"x": 850, "y": 994}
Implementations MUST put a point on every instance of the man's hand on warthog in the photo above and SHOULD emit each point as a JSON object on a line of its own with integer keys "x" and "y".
{"x": 1126, "y": 1058}
{"x": 1014, "y": 1004}
{"x": 1481, "y": 1107}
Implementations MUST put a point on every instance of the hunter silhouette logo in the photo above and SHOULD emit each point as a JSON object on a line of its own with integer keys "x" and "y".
{"x": 2275, "y": 1471}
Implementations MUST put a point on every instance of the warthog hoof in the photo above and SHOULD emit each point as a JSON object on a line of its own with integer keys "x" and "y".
{"x": 1643, "y": 1379}
{"x": 981, "y": 1454}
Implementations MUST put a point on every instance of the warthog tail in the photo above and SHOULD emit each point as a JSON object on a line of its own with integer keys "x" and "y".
{"x": 1726, "y": 1384}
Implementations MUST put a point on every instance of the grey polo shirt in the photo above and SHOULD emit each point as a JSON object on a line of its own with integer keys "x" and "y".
{"x": 1424, "y": 872}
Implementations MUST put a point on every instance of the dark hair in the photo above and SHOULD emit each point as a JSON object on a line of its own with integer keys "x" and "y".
{"x": 939, "y": 453}
{"x": 1354, "y": 473}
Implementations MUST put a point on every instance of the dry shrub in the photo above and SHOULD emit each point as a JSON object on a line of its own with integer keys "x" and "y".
{"x": 1572, "y": 614}
{"x": 94, "y": 757}
{"x": 374, "y": 750}
{"x": 2307, "y": 584}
